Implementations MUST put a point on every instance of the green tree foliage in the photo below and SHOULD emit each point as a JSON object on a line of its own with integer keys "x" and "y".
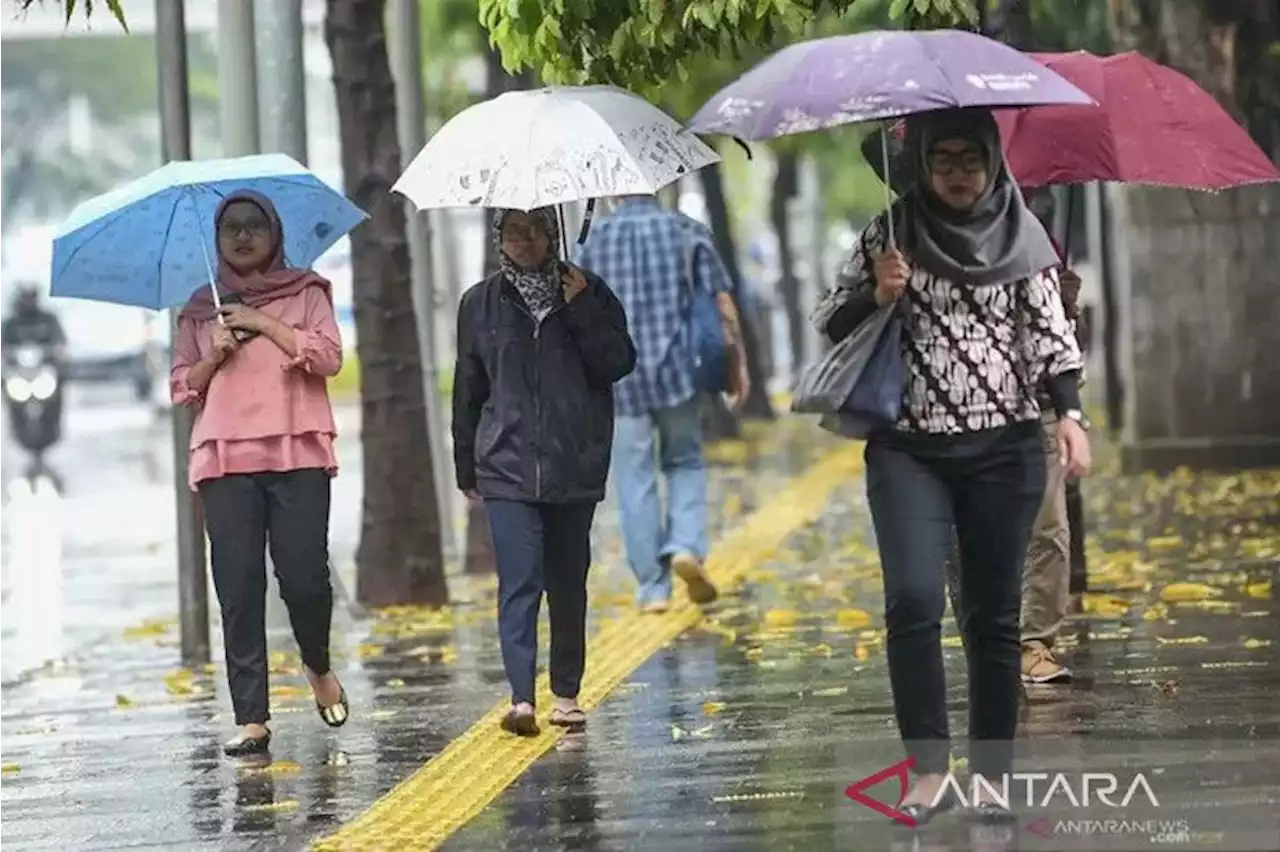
{"x": 642, "y": 45}
{"x": 69, "y": 7}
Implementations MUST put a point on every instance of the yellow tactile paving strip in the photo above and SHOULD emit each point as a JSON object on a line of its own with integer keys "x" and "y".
{"x": 456, "y": 785}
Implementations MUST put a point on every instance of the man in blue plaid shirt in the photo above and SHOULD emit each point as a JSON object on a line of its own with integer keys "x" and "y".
{"x": 647, "y": 256}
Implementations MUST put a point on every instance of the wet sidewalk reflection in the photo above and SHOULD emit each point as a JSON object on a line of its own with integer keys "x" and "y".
{"x": 135, "y": 741}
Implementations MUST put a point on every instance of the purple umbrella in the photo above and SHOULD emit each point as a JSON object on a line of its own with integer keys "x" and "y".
{"x": 846, "y": 79}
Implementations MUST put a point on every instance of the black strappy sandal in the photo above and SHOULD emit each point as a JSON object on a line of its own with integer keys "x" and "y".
{"x": 573, "y": 720}
{"x": 243, "y": 746}
{"x": 335, "y": 715}
{"x": 520, "y": 724}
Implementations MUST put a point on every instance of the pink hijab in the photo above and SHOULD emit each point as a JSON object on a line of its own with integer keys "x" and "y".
{"x": 276, "y": 280}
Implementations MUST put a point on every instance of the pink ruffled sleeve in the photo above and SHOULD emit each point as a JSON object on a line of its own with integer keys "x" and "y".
{"x": 186, "y": 353}
{"x": 319, "y": 341}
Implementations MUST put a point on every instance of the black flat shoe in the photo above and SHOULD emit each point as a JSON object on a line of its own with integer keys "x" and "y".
{"x": 335, "y": 715}
{"x": 243, "y": 746}
{"x": 922, "y": 813}
{"x": 989, "y": 813}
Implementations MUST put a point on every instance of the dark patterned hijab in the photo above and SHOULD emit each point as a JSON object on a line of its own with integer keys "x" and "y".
{"x": 540, "y": 287}
{"x": 996, "y": 241}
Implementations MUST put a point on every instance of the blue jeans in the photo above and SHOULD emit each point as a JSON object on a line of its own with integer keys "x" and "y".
{"x": 650, "y": 537}
{"x": 542, "y": 547}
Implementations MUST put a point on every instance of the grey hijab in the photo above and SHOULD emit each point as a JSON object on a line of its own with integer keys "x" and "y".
{"x": 540, "y": 287}
{"x": 996, "y": 241}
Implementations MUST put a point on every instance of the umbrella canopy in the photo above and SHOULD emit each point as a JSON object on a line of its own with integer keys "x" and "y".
{"x": 1151, "y": 125}
{"x": 150, "y": 243}
{"x": 846, "y": 79}
{"x": 556, "y": 145}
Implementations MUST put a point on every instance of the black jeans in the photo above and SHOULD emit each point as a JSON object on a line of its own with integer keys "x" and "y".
{"x": 244, "y": 513}
{"x": 988, "y": 485}
{"x": 542, "y": 547}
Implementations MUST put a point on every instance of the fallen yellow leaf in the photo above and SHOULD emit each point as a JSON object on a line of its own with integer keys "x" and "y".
{"x": 1261, "y": 590}
{"x": 1177, "y": 592}
{"x": 367, "y": 650}
{"x": 395, "y": 682}
{"x": 1182, "y": 640}
{"x": 1106, "y": 606}
{"x": 1156, "y": 612}
{"x": 712, "y": 707}
{"x": 1252, "y": 644}
{"x": 861, "y": 653}
{"x": 852, "y": 619}
{"x": 149, "y": 629}
{"x": 1165, "y": 543}
{"x": 780, "y": 617}
{"x": 288, "y": 690}
{"x": 10, "y": 769}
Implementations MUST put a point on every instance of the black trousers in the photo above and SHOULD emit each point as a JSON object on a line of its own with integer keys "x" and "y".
{"x": 988, "y": 486}
{"x": 245, "y": 514}
{"x": 542, "y": 547}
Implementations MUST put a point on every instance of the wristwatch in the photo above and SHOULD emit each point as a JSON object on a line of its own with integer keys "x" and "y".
{"x": 1078, "y": 416}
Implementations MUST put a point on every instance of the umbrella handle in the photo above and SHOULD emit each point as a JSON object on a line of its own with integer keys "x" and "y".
{"x": 208, "y": 265}
{"x": 888, "y": 191}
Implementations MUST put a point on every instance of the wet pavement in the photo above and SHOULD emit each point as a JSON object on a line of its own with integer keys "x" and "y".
{"x": 88, "y": 562}
{"x": 742, "y": 734}
{"x": 96, "y": 746}
{"x": 745, "y": 734}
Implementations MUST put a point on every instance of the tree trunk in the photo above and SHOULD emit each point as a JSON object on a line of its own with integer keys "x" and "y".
{"x": 399, "y": 559}
{"x": 786, "y": 183}
{"x": 757, "y": 405}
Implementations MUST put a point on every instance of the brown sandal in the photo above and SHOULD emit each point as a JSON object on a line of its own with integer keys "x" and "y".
{"x": 574, "y": 720}
{"x": 520, "y": 724}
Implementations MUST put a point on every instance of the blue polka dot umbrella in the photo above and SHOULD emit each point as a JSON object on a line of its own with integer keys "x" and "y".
{"x": 150, "y": 243}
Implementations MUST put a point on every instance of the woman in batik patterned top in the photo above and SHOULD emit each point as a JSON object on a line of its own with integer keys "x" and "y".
{"x": 974, "y": 273}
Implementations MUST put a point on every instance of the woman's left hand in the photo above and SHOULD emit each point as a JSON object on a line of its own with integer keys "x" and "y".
{"x": 1074, "y": 449}
{"x": 245, "y": 318}
{"x": 574, "y": 282}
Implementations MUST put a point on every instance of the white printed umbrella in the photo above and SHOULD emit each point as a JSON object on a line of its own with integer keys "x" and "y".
{"x": 556, "y": 145}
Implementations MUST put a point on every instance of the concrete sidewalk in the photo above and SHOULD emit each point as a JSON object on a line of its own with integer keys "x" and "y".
{"x": 119, "y": 728}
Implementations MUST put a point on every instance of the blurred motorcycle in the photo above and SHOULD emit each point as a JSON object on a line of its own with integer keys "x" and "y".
{"x": 33, "y": 396}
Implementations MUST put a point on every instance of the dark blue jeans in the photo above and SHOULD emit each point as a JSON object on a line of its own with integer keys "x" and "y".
{"x": 988, "y": 486}
{"x": 542, "y": 547}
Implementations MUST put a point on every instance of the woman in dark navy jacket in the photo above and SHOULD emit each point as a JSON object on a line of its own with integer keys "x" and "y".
{"x": 540, "y": 345}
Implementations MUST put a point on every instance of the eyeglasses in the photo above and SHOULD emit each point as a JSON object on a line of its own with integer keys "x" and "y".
{"x": 252, "y": 228}
{"x": 946, "y": 162}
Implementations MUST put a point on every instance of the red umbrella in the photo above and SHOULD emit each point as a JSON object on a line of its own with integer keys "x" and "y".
{"x": 1152, "y": 125}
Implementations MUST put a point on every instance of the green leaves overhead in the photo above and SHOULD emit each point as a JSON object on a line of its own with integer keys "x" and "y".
{"x": 115, "y": 7}
{"x": 642, "y": 45}
{"x": 648, "y": 45}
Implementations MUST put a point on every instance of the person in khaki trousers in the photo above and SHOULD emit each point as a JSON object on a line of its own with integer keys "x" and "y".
{"x": 1046, "y": 576}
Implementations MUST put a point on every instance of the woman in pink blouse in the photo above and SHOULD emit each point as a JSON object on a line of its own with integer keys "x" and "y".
{"x": 261, "y": 453}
